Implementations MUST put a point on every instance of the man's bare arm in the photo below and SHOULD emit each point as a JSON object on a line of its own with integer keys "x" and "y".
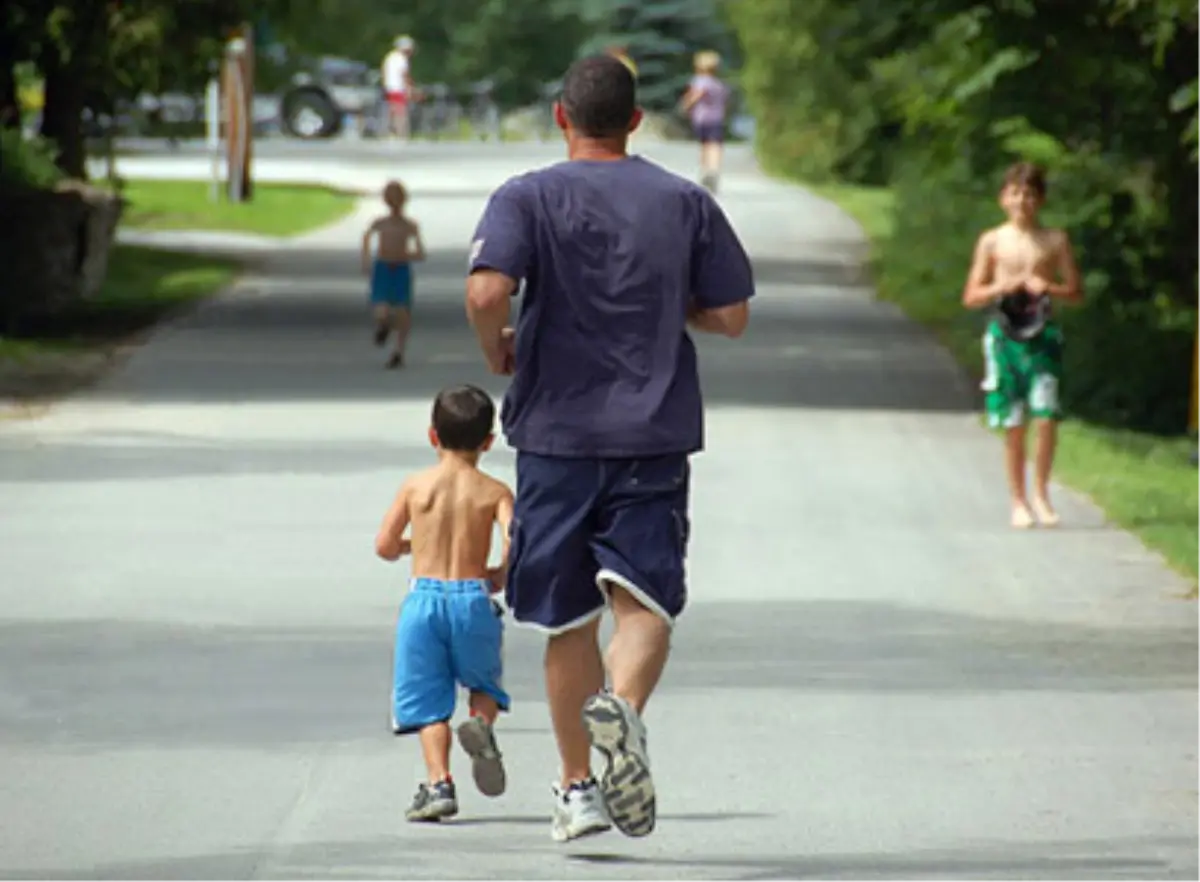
{"x": 390, "y": 544}
{"x": 729, "y": 321}
{"x": 504, "y": 517}
{"x": 488, "y": 310}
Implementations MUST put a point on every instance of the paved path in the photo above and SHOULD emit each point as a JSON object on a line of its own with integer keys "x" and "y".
{"x": 877, "y": 678}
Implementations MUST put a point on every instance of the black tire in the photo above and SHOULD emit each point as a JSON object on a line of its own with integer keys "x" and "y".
{"x": 310, "y": 115}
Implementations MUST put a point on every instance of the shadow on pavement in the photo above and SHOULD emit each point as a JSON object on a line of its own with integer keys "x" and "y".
{"x": 121, "y": 684}
{"x": 817, "y": 340}
{"x": 423, "y": 856}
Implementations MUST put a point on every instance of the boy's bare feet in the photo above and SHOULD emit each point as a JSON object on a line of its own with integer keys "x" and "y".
{"x": 1022, "y": 517}
{"x": 397, "y": 360}
{"x": 381, "y": 334}
{"x": 1045, "y": 512}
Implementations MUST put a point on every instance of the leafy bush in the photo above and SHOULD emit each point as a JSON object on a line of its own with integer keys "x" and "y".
{"x": 26, "y": 162}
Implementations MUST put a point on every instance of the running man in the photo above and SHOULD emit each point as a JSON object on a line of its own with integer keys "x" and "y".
{"x": 618, "y": 257}
{"x": 705, "y": 102}
{"x": 1018, "y": 269}
{"x": 400, "y": 245}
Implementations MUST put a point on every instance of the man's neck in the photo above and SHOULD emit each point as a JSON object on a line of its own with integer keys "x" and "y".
{"x": 597, "y": 149}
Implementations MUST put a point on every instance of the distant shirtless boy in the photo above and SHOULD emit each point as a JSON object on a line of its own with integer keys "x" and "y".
{"x": 391, "y": 272}
{"x": 449, "y": 630}
{"x": 1018, "y": 270}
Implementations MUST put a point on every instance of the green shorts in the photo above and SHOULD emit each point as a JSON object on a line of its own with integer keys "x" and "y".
{"x": 1022, "y": 377}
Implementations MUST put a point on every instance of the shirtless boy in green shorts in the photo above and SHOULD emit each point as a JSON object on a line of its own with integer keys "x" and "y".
{"x": 1018, "y": 269}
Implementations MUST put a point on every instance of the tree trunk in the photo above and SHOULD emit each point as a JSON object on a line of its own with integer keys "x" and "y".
{"x": 10, "y": 108}
{"x": 62, "y": 115}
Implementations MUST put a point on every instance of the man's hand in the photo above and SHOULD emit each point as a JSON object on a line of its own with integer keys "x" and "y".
{"x": 497, "y": 576}
{"x": 501, "y": 358}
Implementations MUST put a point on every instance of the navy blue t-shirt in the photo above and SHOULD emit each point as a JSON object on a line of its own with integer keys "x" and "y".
{"x": 612, "y": 254}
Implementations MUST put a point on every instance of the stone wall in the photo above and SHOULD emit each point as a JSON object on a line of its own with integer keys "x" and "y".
{"x": 54, "y": 249}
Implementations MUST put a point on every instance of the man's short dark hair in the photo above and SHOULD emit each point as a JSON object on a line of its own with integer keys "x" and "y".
{"x": 599, "y": 96}
{"x": 463, "y": 417}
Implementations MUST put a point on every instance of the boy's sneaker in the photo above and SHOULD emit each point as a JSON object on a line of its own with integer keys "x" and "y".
{"x": 617, "y": 731}
{"x": 487, "y": 767}
{"x": 433, "y": 802}
{"x": 578, "y": 811}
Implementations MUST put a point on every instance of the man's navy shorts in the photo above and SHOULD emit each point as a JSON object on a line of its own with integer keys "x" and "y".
{"x": 582, "y": 524}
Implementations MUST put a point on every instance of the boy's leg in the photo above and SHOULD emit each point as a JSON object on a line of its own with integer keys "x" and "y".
{"x": 476, "y": 648}
{"x": 383, "y": 323}
{"x": 402, "y": 323}
{"x": 379, "y": 307}
{"x": 1045, "y": 407}
{"x": 1005, "y": 404}
{"x": 1014, "y": 461}
{"x": 423, "y": 700}
{"x": 435, "y": 747}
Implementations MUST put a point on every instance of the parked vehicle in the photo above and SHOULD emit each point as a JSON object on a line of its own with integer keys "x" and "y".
{"x": 325, "y": 92}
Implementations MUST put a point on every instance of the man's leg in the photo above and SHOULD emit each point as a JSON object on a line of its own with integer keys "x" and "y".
{"x": 574, "y": 673}
{"x": 641, "y": 542}
{"x": 551, "y": 586}
{"x": 637, "y": 653}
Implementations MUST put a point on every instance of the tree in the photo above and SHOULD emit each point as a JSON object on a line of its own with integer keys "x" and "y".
{"x": 661, "y": 36}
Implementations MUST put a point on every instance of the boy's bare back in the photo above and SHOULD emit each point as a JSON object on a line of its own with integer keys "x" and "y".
{"x": 452, "y": 508}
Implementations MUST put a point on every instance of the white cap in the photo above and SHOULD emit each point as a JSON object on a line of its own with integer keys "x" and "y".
{"x": 404, "y": 42}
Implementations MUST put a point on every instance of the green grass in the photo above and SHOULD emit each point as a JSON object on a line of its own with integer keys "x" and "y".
{"x": 143, "y": 286}
{"x": 274, "y": 210}
{"x": 1145, "y": 483}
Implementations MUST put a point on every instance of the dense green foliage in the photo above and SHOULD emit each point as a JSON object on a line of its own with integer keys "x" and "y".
{"x": 90, "y": 54}
{"x": 936, "y": 98}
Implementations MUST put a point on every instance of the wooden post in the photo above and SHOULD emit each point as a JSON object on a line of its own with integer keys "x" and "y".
{"x": 1194, "y": 405}
{"x": 237, "y": 87}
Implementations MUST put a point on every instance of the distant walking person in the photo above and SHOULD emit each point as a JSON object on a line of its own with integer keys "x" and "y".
{"x": 618, "y": 257}
{"x": 390, "y": 272}
{"x": 397, "y": 86}
{"x": 706, "y": 102}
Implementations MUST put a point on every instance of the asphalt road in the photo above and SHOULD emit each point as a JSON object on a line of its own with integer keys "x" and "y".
{"x": 877, "y": 678}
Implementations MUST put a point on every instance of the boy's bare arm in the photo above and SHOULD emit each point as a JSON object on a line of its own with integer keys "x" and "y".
{"x": 390, "y": 544}
{"x": 418, "y": 252}
{"x": 981, "y": 288}
{"x": 504, "y": 515}
{"x": 366, "y": 247}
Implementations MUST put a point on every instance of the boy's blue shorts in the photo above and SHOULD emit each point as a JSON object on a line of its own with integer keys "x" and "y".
{"x": 449, "y": 632}
{"x": 391, "y": 284}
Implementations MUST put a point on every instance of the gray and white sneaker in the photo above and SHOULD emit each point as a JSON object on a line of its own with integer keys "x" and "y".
{"x": 433, "y": 802}
{"x": 487, "y": 766}
{"x": 578, "y": 811}
{"x": 617, "y": 731}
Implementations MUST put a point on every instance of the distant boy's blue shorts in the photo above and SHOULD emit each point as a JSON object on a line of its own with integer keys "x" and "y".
{"x": 580, "y": 525}
{"x": 448, "y": 633}
{"x": 391, "y": 284}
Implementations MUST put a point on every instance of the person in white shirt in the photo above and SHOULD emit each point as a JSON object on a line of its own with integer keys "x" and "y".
{"x": 397, "y": 85}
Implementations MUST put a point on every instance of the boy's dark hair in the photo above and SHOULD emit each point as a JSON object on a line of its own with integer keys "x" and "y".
{"x": 463, "y": 417}
{"x": 1027, "y": 174}
{"x": 599, "y": 96}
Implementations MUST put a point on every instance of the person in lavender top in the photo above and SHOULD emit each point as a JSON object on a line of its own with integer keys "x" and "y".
{"x": 705, "y": 102}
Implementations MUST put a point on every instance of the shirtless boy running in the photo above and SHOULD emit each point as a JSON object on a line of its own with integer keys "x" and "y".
{"x": 1018, "y": 269}
{"x": 391, "y": 272}
{"x": 449, "y": 630}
